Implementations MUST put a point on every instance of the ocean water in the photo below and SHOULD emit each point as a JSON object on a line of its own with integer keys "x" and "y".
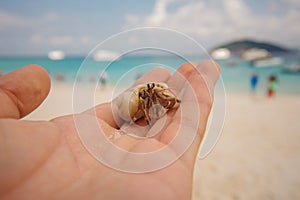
{"x": 235, "y": 72}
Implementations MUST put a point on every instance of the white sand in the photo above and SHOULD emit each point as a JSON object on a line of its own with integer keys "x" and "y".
{"x": 59, "y": 101}
{"x": 257, "y": 156}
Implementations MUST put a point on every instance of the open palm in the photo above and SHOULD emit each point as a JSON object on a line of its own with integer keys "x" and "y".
{"x": 47, "y": 160}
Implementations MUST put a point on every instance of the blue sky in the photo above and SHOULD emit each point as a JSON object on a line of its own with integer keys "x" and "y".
{"x": 31, "y": 27}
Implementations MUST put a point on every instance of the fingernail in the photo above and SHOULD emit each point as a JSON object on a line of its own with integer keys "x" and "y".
{"x": 209, "y": 69}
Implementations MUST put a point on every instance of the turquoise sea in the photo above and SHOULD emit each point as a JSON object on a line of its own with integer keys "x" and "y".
{"x": 235, "y": 72}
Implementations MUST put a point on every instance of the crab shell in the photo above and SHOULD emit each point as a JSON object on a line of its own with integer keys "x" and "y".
{"x": 127, "y": 103}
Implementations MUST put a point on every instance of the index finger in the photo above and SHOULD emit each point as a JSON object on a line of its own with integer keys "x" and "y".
{"x": 200, "y": 85}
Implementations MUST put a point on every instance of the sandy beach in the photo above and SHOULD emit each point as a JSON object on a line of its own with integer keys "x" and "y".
{"x": 255, "y": 158}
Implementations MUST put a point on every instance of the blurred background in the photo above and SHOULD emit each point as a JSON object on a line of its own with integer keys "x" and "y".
{"x": 36, "y": 27}
{"x": 255, "y": 42}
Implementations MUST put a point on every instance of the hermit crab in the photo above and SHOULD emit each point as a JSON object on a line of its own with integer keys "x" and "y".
{"x": 149, "y": 101}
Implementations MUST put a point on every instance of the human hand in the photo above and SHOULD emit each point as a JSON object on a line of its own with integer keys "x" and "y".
{"x": 47, "y": 160}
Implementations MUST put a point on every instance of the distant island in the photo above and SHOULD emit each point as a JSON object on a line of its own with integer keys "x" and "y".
{"x": 238, "y": 47}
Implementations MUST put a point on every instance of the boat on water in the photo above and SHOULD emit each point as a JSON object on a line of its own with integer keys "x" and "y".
{"x": 56, "y": 55}
{"x": 221, "y": 54}
{"x": 261, "y": 58}
{"x": 267, "y": 62}
{"x": 255, "y": 54}
{"x": 105, "y": 55}
{"x": 293, "y": 68}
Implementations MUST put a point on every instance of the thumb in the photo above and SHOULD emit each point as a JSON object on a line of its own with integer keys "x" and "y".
{"x": 23, "y": 90}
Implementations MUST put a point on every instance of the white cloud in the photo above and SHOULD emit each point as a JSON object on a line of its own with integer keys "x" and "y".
{"x": 54, "y": 41}
{"x": 61, "y": 40}
{"x": 86, "y": 41}
{"x": 159, "y": 13}
{"x": 236, "y": 11}
{"x": 219, "y": 21}
{"x": 37, "y": 39}
{"x": 293, "y": 3}
{"x": 131, "y": 19}
{"x": 40, "y": 34}
{"x": 208, "y": 21}
{"x": 9, "y": 20}
{"x": 50, "y": 17}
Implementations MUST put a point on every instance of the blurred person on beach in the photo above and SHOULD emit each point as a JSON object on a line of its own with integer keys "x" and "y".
{"x": 47, "y": 160}
{"x": 253, "y": 82}
{"x": 92, "y": 79}
{"x": 138, "y": 75}
{"x": 103, "y": 79}
{"x": 59, "y": 77}
{"x": 272, "y": 85}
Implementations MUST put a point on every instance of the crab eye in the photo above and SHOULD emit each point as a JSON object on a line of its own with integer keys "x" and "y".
{"x": 153, "y": 85}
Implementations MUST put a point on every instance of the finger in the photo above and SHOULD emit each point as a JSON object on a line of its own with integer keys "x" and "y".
{"x": 23, "y": 90}
{"x": 200, "y": 85}
{"x": 158, "y": 74}
{"x": 178, "y": 79}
